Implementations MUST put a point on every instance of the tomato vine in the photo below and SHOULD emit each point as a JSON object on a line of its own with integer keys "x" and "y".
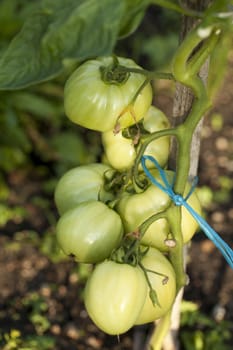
{"x": 120, "y": 96}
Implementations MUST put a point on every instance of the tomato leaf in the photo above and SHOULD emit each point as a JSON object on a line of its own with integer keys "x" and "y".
{"x": 135, "y": 10}
{"x": 59, "y": 30}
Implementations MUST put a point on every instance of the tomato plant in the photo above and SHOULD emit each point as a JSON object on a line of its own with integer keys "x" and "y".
{"x": 114, "y": 296}
{"x": 103, "y": 94}
{"x": 81, "y": 184}
{"x": 110, "y": 221}
{"x": 163, "y": 281}
{"x": 121, "y": 152}
{"x": 89, "y": 232}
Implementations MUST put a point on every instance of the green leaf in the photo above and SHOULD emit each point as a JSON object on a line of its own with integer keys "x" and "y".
{"x": 71, "y": 150}
{"x": 35, "y": 104}
{"x": 59, "y": 30}
{"x": 13, "y": 133}
{"x": 169, "y": 4}
{"x": 56, "y": 31}
{"x": 217, "y": 6}
{"x": 135, "y": 10}
{"x": 165, "y": 48}
{"x": 11, "y": 158}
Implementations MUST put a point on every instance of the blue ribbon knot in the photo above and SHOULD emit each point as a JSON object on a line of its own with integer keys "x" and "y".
{"x": 226, "y": 251}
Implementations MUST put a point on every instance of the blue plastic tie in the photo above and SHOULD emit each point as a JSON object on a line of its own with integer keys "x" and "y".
{"x": 226, "y": 251}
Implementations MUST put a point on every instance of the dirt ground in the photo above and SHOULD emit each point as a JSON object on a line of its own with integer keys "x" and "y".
{"x": 24, "y": 269}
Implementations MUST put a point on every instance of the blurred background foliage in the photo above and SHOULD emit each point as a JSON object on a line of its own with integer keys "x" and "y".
{"x": 35, "y": 133}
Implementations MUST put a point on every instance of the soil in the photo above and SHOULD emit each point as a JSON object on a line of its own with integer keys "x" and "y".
{"x": 25, "y": 269}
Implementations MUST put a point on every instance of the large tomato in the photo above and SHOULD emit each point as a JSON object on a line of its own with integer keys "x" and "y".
{"x": 121, "y": 152}
{"x": 164, "y": 287}
{"x": 81, "y": 184}
{"x": 95, "y": 103}
{"x": 89, "y": 232}
{"x": 114, "y": 296}
{"x": 134, "y": 209}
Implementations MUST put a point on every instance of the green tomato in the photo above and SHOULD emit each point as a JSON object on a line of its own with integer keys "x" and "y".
{"x": 134, "y": 209}
{"x": 89, "y": 232}
{"x": 156, "y": 120}
{"x": 121, "y": 152}
{"x": 114, "y": 296}
{"x": 165, "y": 288}
{"x": 99, "y": 105}
{"x": 81, "y": 184}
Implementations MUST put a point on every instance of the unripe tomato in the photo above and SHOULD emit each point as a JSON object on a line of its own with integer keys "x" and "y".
{"x": 95, "y": 103}
{"x": 89, "y": 232}
{"x": 165, "y": 288}
{"x": 121, "y": 152}
{"x": 81, "y": 184}
{"x": 114, "y": 296}
{"x": 158, "y": 232}
{"x": 134, "y": 209}
{"x": 156, "y": 120}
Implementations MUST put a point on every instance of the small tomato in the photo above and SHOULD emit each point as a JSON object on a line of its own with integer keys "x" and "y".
{"x": 89, "y": 232}
{"x": 120, "y": 151}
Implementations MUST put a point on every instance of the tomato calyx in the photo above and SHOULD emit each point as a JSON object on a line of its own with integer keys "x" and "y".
{"x": 132, "y": 131}
{"x": 116, "y": 182}
{"x": 114, "y": 73}
{"x": 131, "y": 252}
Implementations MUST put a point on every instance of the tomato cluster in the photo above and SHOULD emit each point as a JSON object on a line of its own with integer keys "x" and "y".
{"x": 103, "y": 206}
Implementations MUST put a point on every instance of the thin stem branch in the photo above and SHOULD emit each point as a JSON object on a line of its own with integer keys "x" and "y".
{"x": 149, "y": 74}
{"x": 175, "y": 7}
{"x": 149, "y": 138}
{"x": 162, "y": 327}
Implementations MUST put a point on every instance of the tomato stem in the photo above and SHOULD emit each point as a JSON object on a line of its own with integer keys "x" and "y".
{"x": 150, "y": 75}
{"x": 149, "y": 138}
{"x": 160, "y": 332}
{"x": 146, "y": 224}
{"x": 152, "y": 292}
{"x": 188, "y": 60}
